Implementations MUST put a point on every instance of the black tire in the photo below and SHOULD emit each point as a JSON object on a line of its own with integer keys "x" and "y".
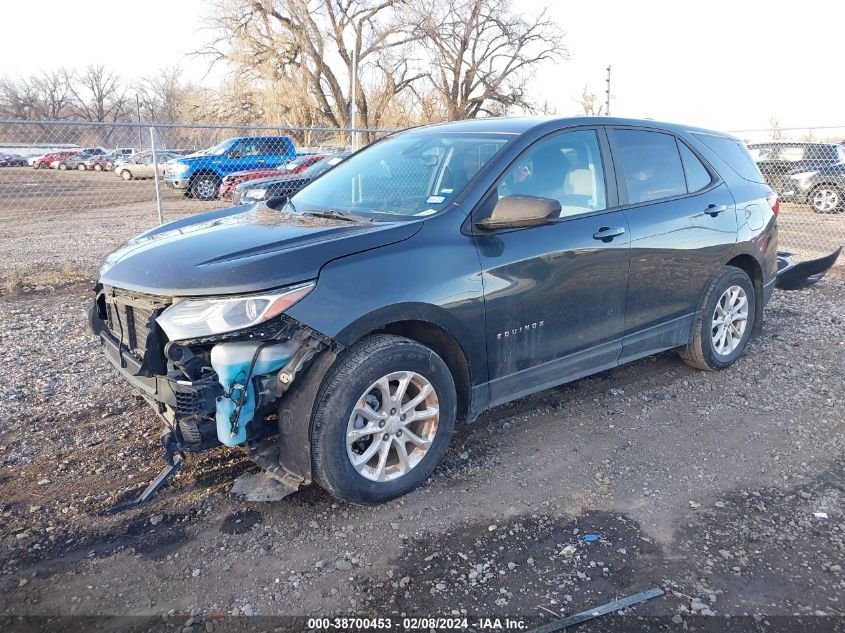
{"x": 701, "y": 352}
{"x": 205, "y": 187}
{"x": 126, "y": 174}
{"x": 62, "y": 166}
{"x": 81, "y": 167}
{"x": 833, "y": 188}
{"x": 98, "y": 167}
{"x": 353, "y": 372}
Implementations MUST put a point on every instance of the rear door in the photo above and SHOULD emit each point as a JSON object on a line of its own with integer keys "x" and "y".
{"x": 682, "y": 225}
{"x": 555, "y": 294}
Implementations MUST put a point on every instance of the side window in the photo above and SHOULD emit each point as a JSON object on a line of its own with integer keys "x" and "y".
{"x": 650, "y": 165}
{"x": 792, "y": 154}
{"x": 566, "y": 167}
{"x": 248, "y": 148}
{"x": 696, "y": 173}
{"x": 760, "y": 153}
{"x": 271, "y": 147}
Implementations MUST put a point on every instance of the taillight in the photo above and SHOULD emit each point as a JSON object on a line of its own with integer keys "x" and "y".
{"x": 774, "y": 202}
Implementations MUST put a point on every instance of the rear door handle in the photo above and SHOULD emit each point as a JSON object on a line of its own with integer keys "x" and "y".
{"x": 260, "y": 161}
{"x": 607, "y": 233}
{"x": 713, "y": 210}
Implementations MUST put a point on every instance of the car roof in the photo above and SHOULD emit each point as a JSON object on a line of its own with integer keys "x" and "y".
{"x": 520, "y": 125}
{"x": 783, "y": 142}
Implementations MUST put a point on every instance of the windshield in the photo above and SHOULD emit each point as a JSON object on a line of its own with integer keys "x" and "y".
{"x": 218, "y": 149}
{"x": 324, "y": 164}
{"x": 410, "y": 175}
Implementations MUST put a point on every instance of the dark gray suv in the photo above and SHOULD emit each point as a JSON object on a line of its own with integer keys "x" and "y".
{"x": 340, "y": 335}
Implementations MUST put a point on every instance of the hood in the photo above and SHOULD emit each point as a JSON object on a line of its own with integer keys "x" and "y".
{"x": 240, "y": 250}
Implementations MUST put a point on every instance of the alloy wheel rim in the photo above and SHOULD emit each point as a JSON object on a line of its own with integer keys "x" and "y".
{"x": 392, "y": 426}
{"x": 730, "y": 319}
{"x": 205, "y": 188}
{"x": 825, "y": 199}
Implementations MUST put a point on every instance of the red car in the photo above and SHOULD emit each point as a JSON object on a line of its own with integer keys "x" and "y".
{"x": 43, "y": 162}
{"x": 295, "y": 166}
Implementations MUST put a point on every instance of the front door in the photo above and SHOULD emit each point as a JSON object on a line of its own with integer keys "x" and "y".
{"x": 554, "y": 294}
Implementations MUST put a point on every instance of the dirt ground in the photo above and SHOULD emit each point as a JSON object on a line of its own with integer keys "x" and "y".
{"x": 725, "y": 489}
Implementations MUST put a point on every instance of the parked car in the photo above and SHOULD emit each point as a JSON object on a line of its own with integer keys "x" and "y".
{"x": 434, "y": 274}
{"x": 43, "y": 162}
{"x": 285, "y": 185}
{"x": 74, "y": 161}
{"x": 142, "y": 166}
{"x": 200, "y": 175}
{"x": 822, "y": 186}
{"x": 295, "y": 166}
{"x": 12, "y": 160}
{"x": 778, "y": 160}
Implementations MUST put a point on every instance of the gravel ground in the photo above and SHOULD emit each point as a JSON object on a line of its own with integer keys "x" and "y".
{"x": 703, "y": 483}
{"x": 726, "y": 489}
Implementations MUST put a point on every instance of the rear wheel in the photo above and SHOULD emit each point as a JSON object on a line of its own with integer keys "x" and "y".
{"x": 81, "y": 167}
{"x": 382, "y": 421}
{"x": 826, "y": 199}
{"x": 724, "y": 322}
{"x": 98, "y": 167}
{"x": 205, "y": 187}
{"x": 62, "y": 166}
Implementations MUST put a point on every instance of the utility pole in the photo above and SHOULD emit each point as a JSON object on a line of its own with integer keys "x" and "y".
{"x": 607, "y": 93}
{"x": 138, "y": 106}
{"x": 354, "y": 105}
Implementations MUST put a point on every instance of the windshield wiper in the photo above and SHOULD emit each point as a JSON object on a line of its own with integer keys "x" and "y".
{"x": 336, "y": 215}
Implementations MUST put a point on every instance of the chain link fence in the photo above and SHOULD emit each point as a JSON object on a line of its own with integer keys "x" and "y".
{"x": 806, "y": 168}
{"x": 72, "y": 191}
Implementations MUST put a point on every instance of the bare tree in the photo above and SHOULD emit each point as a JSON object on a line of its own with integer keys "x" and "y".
{"x": 161, "y": 96}
{"x": 52, "y": 94}
{"x": 311, "y": 44}
{"x": 590, "y": 104}
{"x": 44, "y": 96}
{"x": 482, "y": 53}
{"x": 99, "y": 94}
{"x": 777, "y": 130}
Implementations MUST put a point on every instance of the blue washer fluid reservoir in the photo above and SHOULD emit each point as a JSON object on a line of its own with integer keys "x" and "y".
{"x": 231, "y": 361}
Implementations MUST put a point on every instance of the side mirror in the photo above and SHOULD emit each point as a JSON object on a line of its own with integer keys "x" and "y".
{"x": 513, "y": 212}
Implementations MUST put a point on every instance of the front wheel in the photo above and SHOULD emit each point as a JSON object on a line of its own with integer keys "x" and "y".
{"x": 382, "y": 420}
{"x": 81, "y": 167}
{"x": 826, "y": 199}
{"x": 724, "y": 322}
{"x": 98, "y": 167}
{"x": 126, "y": 174}
{"x": 62, "y": 167}
{"x": 205, "y": 187}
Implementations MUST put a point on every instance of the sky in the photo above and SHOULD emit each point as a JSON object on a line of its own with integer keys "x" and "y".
{"x": 729, "y": 65}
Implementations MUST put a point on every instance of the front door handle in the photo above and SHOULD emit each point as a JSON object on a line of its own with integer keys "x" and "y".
{"x": 713, "y": 210}
{"x": 607, "y": 233}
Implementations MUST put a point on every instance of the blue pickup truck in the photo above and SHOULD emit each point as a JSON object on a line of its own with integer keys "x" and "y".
{"x": 200, "y": 174}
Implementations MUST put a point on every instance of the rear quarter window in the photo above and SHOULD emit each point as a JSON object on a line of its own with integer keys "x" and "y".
{"x": 734, "y": 153}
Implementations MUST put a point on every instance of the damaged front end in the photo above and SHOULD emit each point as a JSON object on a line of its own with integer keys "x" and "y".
{"x": 211, "y": 384}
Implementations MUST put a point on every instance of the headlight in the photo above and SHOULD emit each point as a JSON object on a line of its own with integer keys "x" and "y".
{"x": 804, "y": 175}
{"x": 193, "y": 318}
{"x": 255, "y": 194}
{"x": 179, "y": 168}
